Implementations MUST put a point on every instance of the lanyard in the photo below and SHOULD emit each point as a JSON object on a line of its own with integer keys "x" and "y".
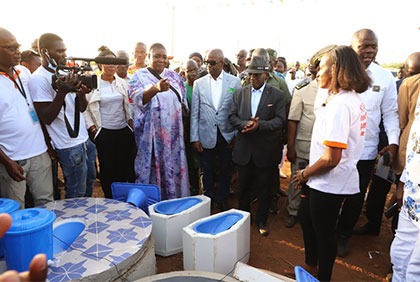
{"x": 19, "y": 85}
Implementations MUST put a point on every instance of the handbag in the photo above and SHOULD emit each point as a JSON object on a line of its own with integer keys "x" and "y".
{"x": 183, "y": 107}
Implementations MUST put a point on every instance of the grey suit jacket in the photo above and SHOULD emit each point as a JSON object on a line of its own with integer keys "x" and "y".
{"x": 264, "y": 146}
{"x": 206, "y": 117}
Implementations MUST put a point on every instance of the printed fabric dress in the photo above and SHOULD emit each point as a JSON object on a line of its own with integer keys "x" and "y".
{"x": 411, "y": 173}
{"x": 159, "y": 135}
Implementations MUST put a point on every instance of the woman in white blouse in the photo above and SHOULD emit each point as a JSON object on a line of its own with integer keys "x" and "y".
{"x": 110, "y": 126}
{"x": 336, "y": 145}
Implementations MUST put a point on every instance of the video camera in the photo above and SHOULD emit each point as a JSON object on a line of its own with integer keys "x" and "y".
{"x": 84, "y": 71}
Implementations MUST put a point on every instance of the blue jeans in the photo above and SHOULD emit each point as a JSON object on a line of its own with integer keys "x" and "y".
{"x": 73, "y": 162}
{"x": 91, "y": 167}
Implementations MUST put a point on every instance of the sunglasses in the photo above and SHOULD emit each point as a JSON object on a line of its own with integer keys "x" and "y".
{"x": 11, "y": 48}
{"x": 211, "y": 63}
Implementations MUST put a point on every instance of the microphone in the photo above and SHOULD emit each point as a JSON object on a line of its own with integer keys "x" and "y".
{"x": 110, "y": 61}
{"x": 101, "y": 60}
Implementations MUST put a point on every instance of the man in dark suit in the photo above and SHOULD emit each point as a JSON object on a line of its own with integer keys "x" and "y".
{"x": 258, "y": 113}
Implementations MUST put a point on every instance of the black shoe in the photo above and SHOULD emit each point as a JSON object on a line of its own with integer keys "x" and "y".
{"x": 366, "y": 229}
{"x": 290, "y": 221}
{"x": 342, "y": 247}
{"x": 263, "y": 229}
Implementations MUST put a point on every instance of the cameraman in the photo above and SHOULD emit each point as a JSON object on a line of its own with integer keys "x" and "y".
{"x": 59, "y": 103}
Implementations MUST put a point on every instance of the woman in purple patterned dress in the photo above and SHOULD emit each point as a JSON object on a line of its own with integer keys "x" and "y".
{"x": 158, "y": 126}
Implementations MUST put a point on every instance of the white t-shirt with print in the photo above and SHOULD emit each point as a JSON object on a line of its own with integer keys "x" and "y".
{"x": 341, "y": 123}
{"x": 42, "y": 91}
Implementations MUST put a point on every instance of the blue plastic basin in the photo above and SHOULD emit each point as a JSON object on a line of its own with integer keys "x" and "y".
{"x": 176, "y": 206}
{"x": 218, "y": 224}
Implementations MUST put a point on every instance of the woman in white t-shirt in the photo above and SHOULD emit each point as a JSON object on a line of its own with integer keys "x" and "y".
{"x": 110, "y": 124}
{"x": 336, "y": 145}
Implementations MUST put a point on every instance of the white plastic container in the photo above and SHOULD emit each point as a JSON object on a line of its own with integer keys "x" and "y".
{"x": 170, "y": 216}
{"x": 217, "y": 242}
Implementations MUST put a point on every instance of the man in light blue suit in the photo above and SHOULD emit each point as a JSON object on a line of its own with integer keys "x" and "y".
{"x": 211, "y": 133}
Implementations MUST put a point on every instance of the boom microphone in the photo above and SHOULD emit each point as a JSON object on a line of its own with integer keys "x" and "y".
{"x": 101, "y": 60}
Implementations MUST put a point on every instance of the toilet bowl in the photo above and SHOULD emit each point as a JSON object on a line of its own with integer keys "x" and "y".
{"x": 139, "y": 195}
{"x": 215, "y": 243}
{"x": 65, "y": 233}
{"x": 170, "y": 216}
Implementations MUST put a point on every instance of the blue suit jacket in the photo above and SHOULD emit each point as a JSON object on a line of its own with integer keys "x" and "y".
{"x": 206, "y": 117}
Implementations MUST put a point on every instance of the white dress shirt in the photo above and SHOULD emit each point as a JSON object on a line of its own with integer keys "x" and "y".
{"x": 380, "y": 101}
{"x": 255, "y": 99}
{"x": 216, "y": 89}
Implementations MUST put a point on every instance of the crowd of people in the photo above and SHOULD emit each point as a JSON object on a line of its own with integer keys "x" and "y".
{"x": 195, "y": 129}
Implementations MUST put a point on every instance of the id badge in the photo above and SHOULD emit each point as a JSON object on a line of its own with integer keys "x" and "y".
{"x": 33, "y": 115}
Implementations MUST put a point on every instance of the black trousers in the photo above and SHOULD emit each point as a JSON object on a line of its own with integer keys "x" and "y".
{"x": 324, "y": 209}
{"x": 116, "y": 154}
{"x": 375, "y": 201}
{"x": 260, "y": 179}
{"x": 309, "y": 237}
{"x": 208, "y": 167}
{"x": 353, "y": 204}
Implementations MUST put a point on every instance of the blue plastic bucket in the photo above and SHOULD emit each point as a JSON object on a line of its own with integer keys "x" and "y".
{"x": 7, "y": 206}
{"x": 31, "y": 233}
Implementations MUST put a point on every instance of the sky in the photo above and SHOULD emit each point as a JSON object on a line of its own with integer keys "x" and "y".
{"x": 296, "y": 29}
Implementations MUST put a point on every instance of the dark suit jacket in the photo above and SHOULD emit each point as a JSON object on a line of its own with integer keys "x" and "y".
{"x": 265, "y": 144}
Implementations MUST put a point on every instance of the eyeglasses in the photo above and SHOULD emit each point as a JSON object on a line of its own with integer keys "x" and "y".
{"x": 211, "y": 63}
{"x": 11, "y": 48}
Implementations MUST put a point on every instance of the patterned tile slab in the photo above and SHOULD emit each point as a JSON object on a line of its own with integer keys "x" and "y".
{"x": 114, "y": 231}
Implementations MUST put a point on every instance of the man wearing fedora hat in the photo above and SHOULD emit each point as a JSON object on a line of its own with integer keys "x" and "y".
{"x": 258, "y": 113}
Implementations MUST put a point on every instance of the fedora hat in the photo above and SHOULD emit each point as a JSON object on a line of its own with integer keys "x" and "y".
{"x": 258, "y": 64}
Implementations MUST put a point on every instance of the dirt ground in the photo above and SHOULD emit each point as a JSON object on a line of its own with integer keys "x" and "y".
{"x": 368, "y": 259}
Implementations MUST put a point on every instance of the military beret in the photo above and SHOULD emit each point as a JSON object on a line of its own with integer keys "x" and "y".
{"x": 316, "y": 58}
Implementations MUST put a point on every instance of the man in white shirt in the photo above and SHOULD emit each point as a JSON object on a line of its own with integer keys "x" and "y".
{"x": 23, "y": 153}
{"x": 211, "y": 133}
{"x": 60, "y": 109}
{"x": 380, "y": 101}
